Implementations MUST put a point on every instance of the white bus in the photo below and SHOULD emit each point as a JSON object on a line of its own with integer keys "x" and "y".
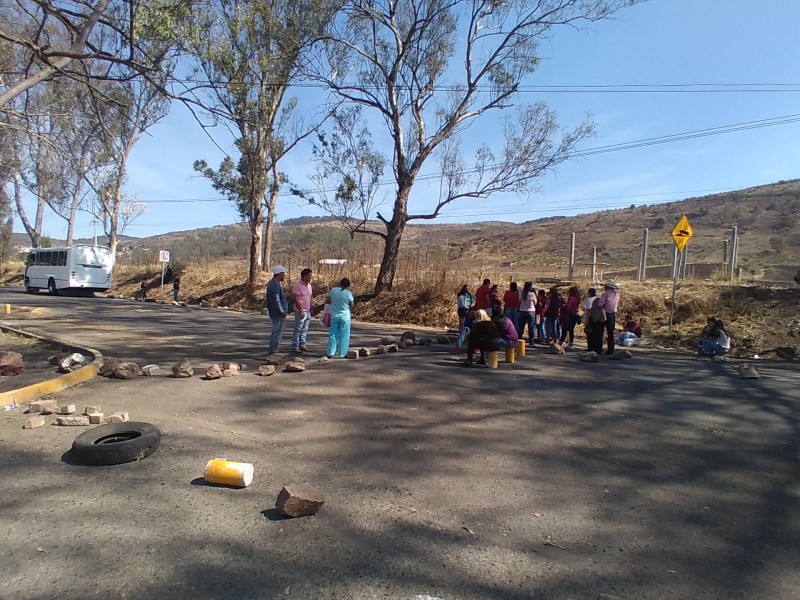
{"x": 85, "y": 268}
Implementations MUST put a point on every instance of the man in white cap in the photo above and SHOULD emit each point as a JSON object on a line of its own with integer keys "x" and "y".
{"x": 277, "y": 307}
{"x": 609, "y": 302}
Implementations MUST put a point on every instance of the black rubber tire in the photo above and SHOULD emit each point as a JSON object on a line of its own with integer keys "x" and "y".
{"x": 51, "y": 287}
{"x": 31, "y": 290}
{"x": 116, "y": 443}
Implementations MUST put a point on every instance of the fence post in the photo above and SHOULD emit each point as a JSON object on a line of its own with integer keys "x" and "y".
{"x": 571, "y": 255}
{"x": 725, "y": 257}
{"x": 734, "y": 247}
{"x": 642, "y": 274}
{"x": 594, "y": 264}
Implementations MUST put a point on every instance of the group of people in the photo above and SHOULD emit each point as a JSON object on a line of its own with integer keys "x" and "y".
{"x": 339, "y": 303}
{"x": 144, "y": 286}
{"x": 547, "y": 315}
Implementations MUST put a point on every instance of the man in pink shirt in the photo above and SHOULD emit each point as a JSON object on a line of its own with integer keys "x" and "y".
{"x": 302, "y": 294}
{"x": 609, "y": 302}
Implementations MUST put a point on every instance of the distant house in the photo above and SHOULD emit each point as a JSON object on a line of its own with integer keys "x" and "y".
{"x": 507, "y": 264}
{"x": 332, "y": 261}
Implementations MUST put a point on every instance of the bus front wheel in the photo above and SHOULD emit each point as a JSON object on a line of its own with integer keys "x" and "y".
{"x": 51, "y": 287}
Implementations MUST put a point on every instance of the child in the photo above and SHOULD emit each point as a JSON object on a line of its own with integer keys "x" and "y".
{"x": 142, "y": 295}
{"x": 469, "y": 323}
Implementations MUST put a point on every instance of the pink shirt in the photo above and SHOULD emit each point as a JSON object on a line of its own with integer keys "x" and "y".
{"x": 302, "y": 295}
{"x": 609, "y": 301}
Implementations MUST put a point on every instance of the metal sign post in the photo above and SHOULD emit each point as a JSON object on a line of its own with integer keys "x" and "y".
{"x": 163, "y": 258}
{"x": 681, "y": 235}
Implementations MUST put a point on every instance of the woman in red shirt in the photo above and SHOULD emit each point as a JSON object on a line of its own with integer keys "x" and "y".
{"x": 511, "y": 300}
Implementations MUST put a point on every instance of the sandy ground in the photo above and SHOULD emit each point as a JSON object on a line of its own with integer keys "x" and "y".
{"x": 659, "y": 477}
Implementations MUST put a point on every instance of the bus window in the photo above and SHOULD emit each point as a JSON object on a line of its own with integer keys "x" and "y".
{"x": 48, "y": 256}
{"x": 32, "y": 258}
{"x": 40, "y": 258}
{"x": 62, "y": 258}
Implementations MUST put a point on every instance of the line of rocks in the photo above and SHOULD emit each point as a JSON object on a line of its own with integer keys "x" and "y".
{"x": 92, "y": 415}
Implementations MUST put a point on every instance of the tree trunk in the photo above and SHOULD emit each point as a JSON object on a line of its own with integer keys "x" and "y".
{"x": 255, "y": 254}
{"x": 33, "y": 233}
{"x": 268, "y": 226}
{"x": 391, "y": 252}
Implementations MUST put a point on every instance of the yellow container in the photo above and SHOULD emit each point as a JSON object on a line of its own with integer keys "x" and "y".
{"x": 521, "y": 348}
{"x": 8, "y": 309}
{"x": 493, "y": 360}
{"x": 225, "y": 472}
{"x": 510, "y": 355}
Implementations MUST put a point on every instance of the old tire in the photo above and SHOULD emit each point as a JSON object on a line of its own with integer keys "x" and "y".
{"x": 51, "y": 287}
{"x": 116, "y": 443}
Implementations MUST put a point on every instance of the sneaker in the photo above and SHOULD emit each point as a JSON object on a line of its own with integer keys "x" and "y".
{"x": 570, "y": 347}
{"x": 467, "y": 363}
{"x": 304, "y": 349}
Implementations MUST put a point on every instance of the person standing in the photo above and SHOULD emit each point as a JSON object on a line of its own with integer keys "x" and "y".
{"x": 527, "y": 312}
{"x": 302, "y": 295}
{"x": 512, "y": 299}
{"x": 176, "y": 289}
{"x": 482, "y": 295}
{"x": 569, "y": 316}
{"x": 341, "y": 301}
{"x": 595, "y": 319}
{"x": 541, "y": 307}
{"x": 609, "y": 302}
{"x": 465, "y": 301}
{"x": 553, "y": 310}
{"x": 277, "y": 307}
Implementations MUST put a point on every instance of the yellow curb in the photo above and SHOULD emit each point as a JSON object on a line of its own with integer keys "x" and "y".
{"x": 62, "y": 382}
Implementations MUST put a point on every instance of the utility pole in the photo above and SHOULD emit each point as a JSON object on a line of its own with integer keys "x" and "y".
{"x": 674, "y": 285}
{"x": 571, "y": 255}
{"x": 685, "y": 259}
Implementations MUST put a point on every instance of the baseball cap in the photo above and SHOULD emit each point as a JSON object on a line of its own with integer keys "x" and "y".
{"x": 278, "y": 270}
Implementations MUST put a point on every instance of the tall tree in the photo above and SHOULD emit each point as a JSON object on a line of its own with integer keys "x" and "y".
{"x": 249, "y": 55}
{"x": 429, "y": 69}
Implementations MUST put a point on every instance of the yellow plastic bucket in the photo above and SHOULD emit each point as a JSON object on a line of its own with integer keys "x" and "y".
{"x": 225, "y": 472}
{"x": 521, "y": 348}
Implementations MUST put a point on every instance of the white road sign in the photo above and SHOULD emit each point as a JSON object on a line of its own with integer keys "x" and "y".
{"x": 163, "y": 256}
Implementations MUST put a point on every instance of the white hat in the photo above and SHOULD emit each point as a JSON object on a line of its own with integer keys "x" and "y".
{"x": 278, "y": 270}
{"x": 610, "y": 283}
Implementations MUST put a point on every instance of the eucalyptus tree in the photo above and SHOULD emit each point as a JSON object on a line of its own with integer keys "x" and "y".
{"x": 426, "y": 70}
{"x": 248, "y": 57}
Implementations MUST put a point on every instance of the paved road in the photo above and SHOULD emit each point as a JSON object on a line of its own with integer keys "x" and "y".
{"x": 162, "y": 333}
{"x": 663, "y": 477}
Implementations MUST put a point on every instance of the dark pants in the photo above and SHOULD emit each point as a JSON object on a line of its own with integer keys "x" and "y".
{"x": 483, "y": 345}
{"x": 594, "y": 337}
{"x": 569, "y": 327}
{"x": 611, "y": 323}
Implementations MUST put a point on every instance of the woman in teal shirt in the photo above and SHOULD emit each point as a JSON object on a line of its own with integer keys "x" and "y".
{"x": 341, "y": 301}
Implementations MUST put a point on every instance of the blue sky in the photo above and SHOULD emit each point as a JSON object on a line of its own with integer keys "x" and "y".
{"x": 749, "y": 53}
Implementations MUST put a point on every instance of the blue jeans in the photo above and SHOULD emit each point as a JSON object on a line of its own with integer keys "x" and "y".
{"x": 540, "y": 329}
{"x": 513, "y": 316}
{"x": 505, "y": 343}
{"x": 278, "y": 323}
{"x": 462, "y": 335}
{"x": 551, "y": 326}
{"x": 529, "y": 319}
{"x": 339, "y": 336}
{"x": 711, "y": 348}
{"x": 300, "y": 333}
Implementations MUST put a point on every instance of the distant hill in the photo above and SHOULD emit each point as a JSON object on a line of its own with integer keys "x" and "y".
{"x": 767, "y": 218}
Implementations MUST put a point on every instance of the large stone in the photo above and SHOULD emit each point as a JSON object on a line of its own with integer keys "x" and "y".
{"x": 126, "y": 370}
{"x": 11, "y": 363}
{"x": 295, "y": 366}
{"x": 183, "y": 369}
{"x": 33, "y": 423}
{"x": 228, "y": 365}
{"x": 96, "y": 418}
{"x": 67, "y": 409}
{"x": 266, "y": 370}
{"x": 590, "y": 356}
{"x": 74, "y": 421}
{"x": 406, "y": 343}
{"x": 230, "y": 372}
{"x": 364, "y": 351}
{"x": 381, "y": 349}
{"x": 108, "y": 367}
{"x": 46, "y": 407}
{"x": 54, "y": 359}
{"x": 392, "y": 348}
{"x": 151, "y": 370}
{"x": 277, "y": 359}
{"x": 299, "y": 500}
{"x": 442, "y": 339}
{"x": 89, "y": 409}
{"x": 352, "y": 354}
{"x": 556, "y": 348}
{"x": 621, "y": 354}
{"x": 388, "y": 339}
{"x": 748, "y": 371}
{"x": 72, "y": 362}
{"x": 213, "y": 372}
{"x": 408, "y": 335}
{"x": 424, "y": 341}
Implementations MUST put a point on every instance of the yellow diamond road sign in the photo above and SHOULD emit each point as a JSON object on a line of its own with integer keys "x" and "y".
{"x": 682, "y": 233}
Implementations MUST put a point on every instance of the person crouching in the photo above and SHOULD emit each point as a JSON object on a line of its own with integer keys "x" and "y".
{"x": 484, "y": 337}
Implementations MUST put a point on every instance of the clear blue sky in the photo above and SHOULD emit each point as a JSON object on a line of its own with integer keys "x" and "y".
{"x": 736, "y": 61}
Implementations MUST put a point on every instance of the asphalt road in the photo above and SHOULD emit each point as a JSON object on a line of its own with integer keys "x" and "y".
{"x": 656, "y": 478}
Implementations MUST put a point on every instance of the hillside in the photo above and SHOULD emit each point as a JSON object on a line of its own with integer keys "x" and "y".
{"x": 767, "y": 218}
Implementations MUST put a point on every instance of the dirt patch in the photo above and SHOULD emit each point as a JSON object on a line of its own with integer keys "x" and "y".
{"x": 35, "y": 354}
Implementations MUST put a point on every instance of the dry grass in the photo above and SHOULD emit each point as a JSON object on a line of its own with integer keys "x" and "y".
{"x": 762, "y": 320}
